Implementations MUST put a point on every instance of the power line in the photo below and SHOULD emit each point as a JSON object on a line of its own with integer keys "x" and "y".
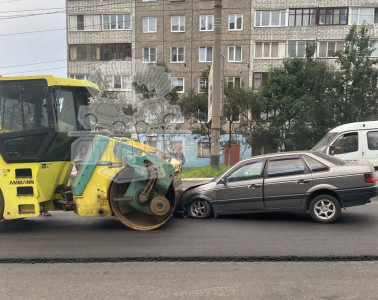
{"x": 9, "y": 1}
{"x": 64, "y": 10}
{"x": 38, "y": 63}
{"x": 37, "y": 31}
{"x": 31, "y": 71}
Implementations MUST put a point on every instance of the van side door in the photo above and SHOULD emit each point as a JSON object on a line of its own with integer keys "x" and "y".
{"x": 371, "y": 148}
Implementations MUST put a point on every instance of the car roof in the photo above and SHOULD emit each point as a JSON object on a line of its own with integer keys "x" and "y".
{"x": 356, "y": 126}
{"x": 268, "y": 155}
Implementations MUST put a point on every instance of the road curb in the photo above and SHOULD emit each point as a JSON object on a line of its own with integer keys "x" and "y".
{"x": 196, "y": 179}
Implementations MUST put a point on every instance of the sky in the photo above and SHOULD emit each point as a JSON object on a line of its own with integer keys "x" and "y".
{"x": 39, "y": 53}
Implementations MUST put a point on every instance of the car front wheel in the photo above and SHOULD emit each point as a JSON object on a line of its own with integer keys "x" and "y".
{"x": 199, "y": 209}
{"x": 325, "y": 209}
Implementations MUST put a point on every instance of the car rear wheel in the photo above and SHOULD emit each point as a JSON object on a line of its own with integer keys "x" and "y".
{"x": 325, "y": 209}
{"x": 199, "y": 209}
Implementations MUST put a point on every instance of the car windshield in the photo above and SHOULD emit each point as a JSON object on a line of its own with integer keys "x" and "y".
{"x": 322, "y": 145}
{"x": 334, "y": 160}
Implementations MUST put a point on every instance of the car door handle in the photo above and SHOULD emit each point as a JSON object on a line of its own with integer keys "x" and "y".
{"x": 302, "y": 181}
{"x": 253, "y": 186}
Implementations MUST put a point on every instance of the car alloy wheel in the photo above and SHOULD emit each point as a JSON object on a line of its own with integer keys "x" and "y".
{"x": 325, "y": 209}
{"x": 199, "y": 209}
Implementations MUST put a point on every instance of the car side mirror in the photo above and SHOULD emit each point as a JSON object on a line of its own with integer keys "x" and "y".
{"x": 331, "y": 150}
{"x": 223, "y": 181}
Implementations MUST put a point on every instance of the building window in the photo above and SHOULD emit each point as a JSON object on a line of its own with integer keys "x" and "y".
{"x": 178, "y": 23}
{"x": 269, "y": 50}
{"x": 85, "y": 22}
{"x": 235, "y": 22}
{"x": 115, "y": 52}
{"x": 202, "y": 84}
{"x": 78, "y": 76}
{"x": 177, "y": 54}
{"x": 359, "y": 15}
{"x": 298, "y": 48}
{"x": 375, "y": 52}
{"x": 206, "y": 54}
{"x": 270, "y": 18}
{"x": 206, "y": 23}
{"x": 302, "y": 17}
{"x": 149, "y": 55}
{"x": 235, "y": 54}
{"x": 257, "y": 80}
{"x": 178, "y": 84}
{"x": 328, "y": 49}
{"x": 85, "y": 52}
{"x": 203, "y": 149}
{"x": 333, "y": 16}
{"x": 119, "y": 82}
{"x": 117, "y": 22}
{"x": 233, "y": 82}
{"x": 149, "y": 24}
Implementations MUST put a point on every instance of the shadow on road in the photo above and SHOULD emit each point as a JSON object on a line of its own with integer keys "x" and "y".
{"x": 346, "y": 218}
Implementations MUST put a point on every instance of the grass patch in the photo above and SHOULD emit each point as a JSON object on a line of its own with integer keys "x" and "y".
{"x": 203, "y": 172}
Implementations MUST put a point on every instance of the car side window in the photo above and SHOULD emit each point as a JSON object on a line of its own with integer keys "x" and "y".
{"x": 248, "y": 171}
{"x": 346, "y": 143}
{"x": 315, "y": 165}
{"x": 372, "y": 137}
{"x": 285, "y": 166}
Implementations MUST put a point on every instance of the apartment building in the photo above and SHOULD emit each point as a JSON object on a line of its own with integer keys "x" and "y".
{"x": 180, "y": 34}
{"x": 283, "y": 29}
{"x": 256, "y": 35}
{"x": 100, "y": 36}
{"x": 114, "y": 36}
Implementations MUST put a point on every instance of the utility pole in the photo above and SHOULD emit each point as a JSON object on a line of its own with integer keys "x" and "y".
{"x": 216, "y": 112}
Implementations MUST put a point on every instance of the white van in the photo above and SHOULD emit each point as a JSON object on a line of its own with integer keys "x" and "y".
{"x": 351, "y": 142}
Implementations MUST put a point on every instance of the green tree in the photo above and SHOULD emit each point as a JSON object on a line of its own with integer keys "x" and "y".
{"x": 243, "y": 107}
{"x": 299, "y": 101}
{"x": 194, "y": 107}
{"x": 357, "y": 79}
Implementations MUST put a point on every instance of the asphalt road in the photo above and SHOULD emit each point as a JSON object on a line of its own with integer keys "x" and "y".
{"x": 257, "y": 237}
{"x": 190, "y": 280}
{"x": 261, "y": 256}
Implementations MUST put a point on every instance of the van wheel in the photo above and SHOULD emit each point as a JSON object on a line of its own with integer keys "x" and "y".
{"x": 325, "y": 209}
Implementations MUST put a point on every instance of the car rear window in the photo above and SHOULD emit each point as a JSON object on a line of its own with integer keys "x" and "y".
{"x": 334, "y": 160}
{"x": 315, "y": 165}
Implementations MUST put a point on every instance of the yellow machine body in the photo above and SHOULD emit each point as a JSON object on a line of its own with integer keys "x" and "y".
{"x": 24, "y": 191}
{"x": 119, "y": 177}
